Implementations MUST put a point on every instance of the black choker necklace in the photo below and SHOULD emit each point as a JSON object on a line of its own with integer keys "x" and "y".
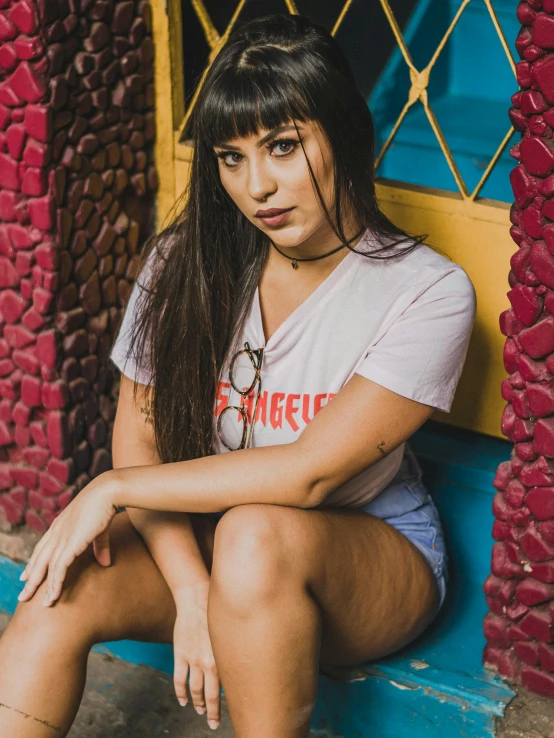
{"x": 295, "y": 260}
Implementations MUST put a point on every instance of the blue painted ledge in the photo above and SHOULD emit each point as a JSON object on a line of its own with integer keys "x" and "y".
{"x": 437, "y": 683}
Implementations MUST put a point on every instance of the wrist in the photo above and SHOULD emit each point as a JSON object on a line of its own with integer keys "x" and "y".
{"x": 196, "y": 590}
{"x": 111, "y": 488}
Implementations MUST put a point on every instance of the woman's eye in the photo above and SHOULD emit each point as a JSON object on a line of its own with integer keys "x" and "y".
{"x": 283, "y": 147}
{"x": 284, "y": 142}
{"x": 223, "y": 157}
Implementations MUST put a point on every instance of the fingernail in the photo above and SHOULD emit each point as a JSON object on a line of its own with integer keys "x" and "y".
{"x": 22, "y": 576}
{"x": 213, "y": 724}
{"x": 182, "y": 701}
{"x": 47, "y": 599}
{"x": 200, "y": 710}
{"x": 22, "y": 594}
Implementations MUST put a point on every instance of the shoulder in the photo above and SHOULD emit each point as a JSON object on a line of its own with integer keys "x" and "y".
{"x": 418, "y": 272}
{"x": 443, "y": 274}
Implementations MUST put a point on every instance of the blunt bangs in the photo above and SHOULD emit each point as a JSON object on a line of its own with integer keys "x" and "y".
{"x": 243, "y": 101}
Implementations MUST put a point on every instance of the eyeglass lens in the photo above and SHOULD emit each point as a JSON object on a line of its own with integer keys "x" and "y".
{"x": 235, "y": 421}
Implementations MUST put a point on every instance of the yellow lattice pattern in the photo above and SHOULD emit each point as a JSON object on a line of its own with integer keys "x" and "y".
{"x": 419, "y": 78}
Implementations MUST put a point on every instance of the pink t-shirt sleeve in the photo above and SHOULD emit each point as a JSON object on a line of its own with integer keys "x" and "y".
{"x": 128, "y": 364}
{"x": 422, "y": 354}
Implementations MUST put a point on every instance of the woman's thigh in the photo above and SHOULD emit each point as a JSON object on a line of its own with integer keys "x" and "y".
{"x": 129, "y": 599}
{"x": 375, "y": 590}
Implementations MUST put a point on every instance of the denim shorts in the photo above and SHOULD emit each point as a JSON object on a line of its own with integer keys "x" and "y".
{"x": 406, "y": 504}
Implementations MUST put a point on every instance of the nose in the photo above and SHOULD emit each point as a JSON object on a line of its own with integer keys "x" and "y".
{"x": 260, "y": 181}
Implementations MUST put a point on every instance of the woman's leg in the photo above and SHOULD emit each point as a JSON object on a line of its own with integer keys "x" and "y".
{"x": 44, "y": 650}
{"x": 291, "y": 589}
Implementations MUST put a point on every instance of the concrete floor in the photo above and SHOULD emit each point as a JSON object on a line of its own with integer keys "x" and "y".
{"x": 527, "y": 716}
{"x": 126, "y": 701}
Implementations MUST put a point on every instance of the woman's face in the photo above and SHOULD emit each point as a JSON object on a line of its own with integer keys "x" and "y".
{"x": 272, "y": 165}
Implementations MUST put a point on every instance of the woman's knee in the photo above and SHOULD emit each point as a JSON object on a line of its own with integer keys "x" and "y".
{"x": 91, "y": 595}
{"x": 252, "y": 555}
{"x": 75, "y": 615}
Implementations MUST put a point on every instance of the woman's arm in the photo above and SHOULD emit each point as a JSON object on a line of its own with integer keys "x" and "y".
{"x": 363, "y": 423}
{"x": 168, "y": 535}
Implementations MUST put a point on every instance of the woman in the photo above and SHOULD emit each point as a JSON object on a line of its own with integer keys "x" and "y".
{"x": 285, "y": 532}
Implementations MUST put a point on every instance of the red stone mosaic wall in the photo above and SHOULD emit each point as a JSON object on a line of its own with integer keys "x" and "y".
{"x": 76, "y": 184}
{"x": 520, "y": 591}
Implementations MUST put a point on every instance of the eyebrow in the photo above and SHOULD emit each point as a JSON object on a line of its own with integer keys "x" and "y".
{"x": 263, "y": 140}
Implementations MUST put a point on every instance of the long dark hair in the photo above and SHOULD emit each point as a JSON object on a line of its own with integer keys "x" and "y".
{"x": 210, "y": 257}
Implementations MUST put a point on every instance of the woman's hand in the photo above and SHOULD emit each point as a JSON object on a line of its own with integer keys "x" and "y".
{"x": 85, "y": 520}
{"x": 193, "y": 654}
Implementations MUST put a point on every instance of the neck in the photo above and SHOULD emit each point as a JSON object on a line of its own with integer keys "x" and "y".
{"x": 321, "y": 241}
{"x": 317, "y": 267}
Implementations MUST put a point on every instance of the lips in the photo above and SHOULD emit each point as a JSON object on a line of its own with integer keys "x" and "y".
{"x": 270, "y": 212}
{"x": 274, "y": 217}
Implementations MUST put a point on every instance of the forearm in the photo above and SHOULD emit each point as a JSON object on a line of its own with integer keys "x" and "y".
{"x": 273, "y": 474}
{"x": 170, "y": 538}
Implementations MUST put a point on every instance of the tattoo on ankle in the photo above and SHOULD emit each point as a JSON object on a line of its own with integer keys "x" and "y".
{"x": 43, "y": 722}
{"x": 381, "y": 449}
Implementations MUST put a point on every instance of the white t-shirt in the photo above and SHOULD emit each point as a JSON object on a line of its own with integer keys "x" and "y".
{"x": 403, "y": 323}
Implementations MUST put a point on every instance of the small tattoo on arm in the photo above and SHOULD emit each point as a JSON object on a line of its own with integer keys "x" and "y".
{"x": 25, "y": 715}
{"x": 381, "y": 449}
{"x": 146, "y": 411}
